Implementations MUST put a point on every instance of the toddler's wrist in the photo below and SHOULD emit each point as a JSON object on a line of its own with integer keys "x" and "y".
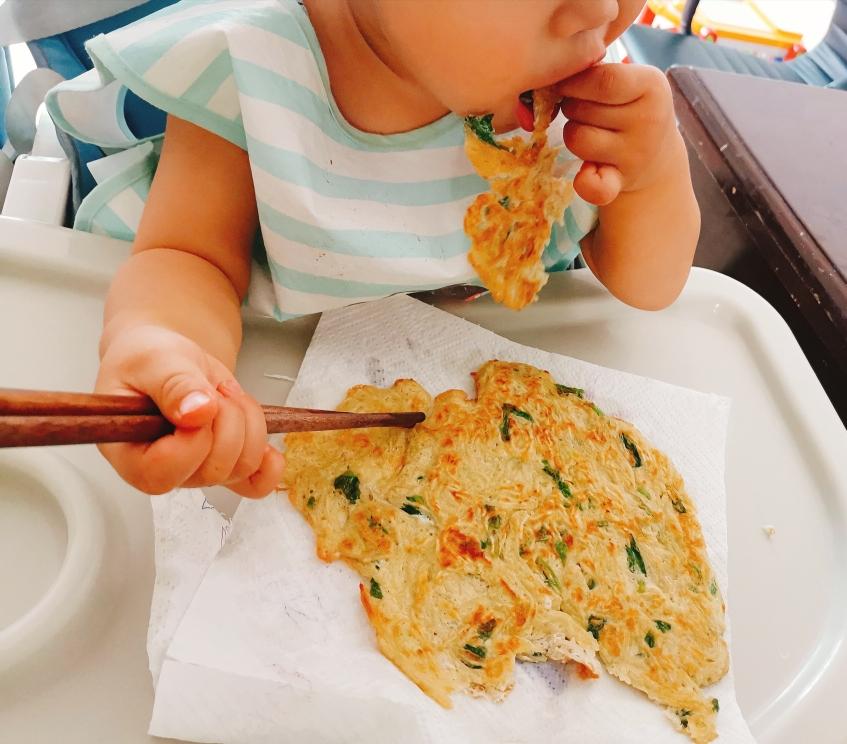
{"x": 672, "y": 160}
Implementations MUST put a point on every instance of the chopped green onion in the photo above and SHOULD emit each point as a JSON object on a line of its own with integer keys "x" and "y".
{"x": 591, "y": 584}
{"x": 410, "y": 509}
{"x": 417, "y": 499}
{"x": 716, "y": 706}
{"x": 481, "y": 126}
{"x": 595, "y": 625}
{"x": 597, "y": 410}
{"x": 713, "y": 588}
{"x": 508, "y": 411}
{"x": 549, "y": 577}
{"x": 504, "y": 202}
{"x": 649, "y": 639}
{"x": 644, "y": 492}
{"x": 633, "y": 557}
{"x": 633, "y": 450}
{"x": 311, "y": 502}
{"x": 469, "y": 665}
{"x": 678, "y": 505}
{"x": 566, "y": 390}
{"x": 486, "y": 629}
{"x": 519, "y": 412}
{"x": 376, "y": 591}
{"x": 495, "y": 522}
{"x": 348, "y": 484}
{"x": 478, "y": 651}
{"x": 561, "y": 550}
{"x": 662, "y": 625}
{"x": 563, "y": 487}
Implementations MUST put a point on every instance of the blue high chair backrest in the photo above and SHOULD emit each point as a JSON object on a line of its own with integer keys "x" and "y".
{"x": 5, "y": 90}
{"x": 65, "y": 53}
{"x": 826, "y": 64}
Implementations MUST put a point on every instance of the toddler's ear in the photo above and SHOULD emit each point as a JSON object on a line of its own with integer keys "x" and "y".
{"x": 598, "y": 184}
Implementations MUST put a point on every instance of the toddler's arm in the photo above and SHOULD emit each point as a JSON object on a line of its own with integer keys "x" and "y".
{"x": 644, "y": 244}
{"x": 172, "y": 325}
{"x": 621, "y": 122}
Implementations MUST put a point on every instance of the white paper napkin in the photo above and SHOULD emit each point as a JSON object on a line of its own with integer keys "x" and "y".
{"x": 275, "y": 646}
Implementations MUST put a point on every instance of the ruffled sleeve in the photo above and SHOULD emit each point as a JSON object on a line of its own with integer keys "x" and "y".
{"x": 178, "y": 60}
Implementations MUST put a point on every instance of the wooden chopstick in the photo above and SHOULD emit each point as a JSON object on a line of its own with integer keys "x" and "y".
{"x": 30, "y": 418}
{"x": 48, "y": 403}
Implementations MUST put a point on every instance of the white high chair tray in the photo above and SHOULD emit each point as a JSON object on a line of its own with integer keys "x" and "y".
{"x": 83, "y": 676}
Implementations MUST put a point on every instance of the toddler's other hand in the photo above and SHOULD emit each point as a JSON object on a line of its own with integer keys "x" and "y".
{"x": 621, "y": 123}
{"x": 220, "y": 435}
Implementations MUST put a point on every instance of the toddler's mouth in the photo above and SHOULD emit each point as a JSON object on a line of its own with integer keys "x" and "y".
{"x": 523, "y": 109}
{"x": 524, "y": 112}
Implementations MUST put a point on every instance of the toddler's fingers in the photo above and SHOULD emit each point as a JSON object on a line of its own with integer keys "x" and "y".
{"x": 265, "y": 479}
{"x": 177, "y": 383}
{"x": 593, "y": 144}
{"x": 612, "y": 82}
{"x": 227, "y": 442}
{"x": 255, "y": 431}
{"x": 163, "y": 465}
{"x": 613, "y": 118}
{"x": 598, "y": 184}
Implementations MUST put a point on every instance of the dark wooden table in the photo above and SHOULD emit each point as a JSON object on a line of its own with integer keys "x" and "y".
{"x": 769, "y": 163}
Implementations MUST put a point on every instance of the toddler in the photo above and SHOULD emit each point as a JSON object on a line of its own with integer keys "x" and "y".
{"x": 333, "y": 130}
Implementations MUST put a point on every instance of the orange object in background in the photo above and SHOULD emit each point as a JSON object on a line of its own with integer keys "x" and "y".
{"x": 712, "y": 29}
{"x": 795, "y": 51}
{"x": 707, "y": 34}
{"x": 647, "y": 16}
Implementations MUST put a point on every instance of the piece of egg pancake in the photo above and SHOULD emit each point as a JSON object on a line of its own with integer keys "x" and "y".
{"x": 524, "y": 524}
{"x": 510, "y": 225}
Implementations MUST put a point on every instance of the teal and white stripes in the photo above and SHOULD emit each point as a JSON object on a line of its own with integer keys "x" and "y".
{"x": 345, "y": 216}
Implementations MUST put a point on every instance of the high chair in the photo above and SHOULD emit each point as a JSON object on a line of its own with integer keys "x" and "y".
{"x": 55, "y": 32}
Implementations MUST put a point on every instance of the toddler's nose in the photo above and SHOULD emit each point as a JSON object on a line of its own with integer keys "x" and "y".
{"x": 605, "y": 10}
{"x": 574, "y": 16}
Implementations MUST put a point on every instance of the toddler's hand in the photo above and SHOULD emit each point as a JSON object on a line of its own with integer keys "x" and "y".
{"x": 220, "y": 435}
{"x": 621, "y": 123}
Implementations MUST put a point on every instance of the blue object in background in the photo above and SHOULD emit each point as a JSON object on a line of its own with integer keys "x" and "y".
{"x": 5, "y": 90}
{"x": 65, "y": 53}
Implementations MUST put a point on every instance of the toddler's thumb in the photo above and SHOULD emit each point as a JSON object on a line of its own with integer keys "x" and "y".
{"x": 186, "y": 398}
{"x": 598, "y": 184}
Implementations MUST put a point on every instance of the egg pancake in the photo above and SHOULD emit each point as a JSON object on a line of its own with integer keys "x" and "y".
{"x": 524, "y": 524}
{"x": 510, "y": 225}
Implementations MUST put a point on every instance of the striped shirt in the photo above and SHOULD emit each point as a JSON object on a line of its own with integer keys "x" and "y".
{"x": 345, "y": 216}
